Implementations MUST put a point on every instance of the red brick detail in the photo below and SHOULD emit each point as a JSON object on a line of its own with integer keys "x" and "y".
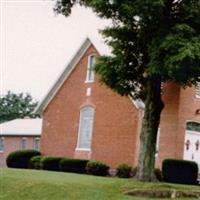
{"x": 115, "y": 120}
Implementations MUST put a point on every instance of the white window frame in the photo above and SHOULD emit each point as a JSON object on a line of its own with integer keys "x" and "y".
{"x": 90, "y": 76}
{"x": 79, "y": 130}
{"x": 197, "y": 90}
{"x": 34, "y": 143}
{"x": 3, "y": 141}
{"x": 23, "y": 139}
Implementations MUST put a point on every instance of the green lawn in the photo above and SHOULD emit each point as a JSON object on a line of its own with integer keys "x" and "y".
{"x": 16, "y": 184}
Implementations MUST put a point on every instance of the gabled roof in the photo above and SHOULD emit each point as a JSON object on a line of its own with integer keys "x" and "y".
{"x": 21, "y": 127}
{"x": 102, "y": 50}
{"x": 64, "y": 75}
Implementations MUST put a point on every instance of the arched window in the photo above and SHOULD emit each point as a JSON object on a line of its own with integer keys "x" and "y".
{"x": 90, "y": 68}
{"x": 85, "y": 128}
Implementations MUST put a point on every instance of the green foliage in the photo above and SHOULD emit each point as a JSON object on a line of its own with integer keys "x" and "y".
{"x": 147, "y": 38}
{"x": 152, "y": 41}
{"x": 14, "y": 106}
{"x": 73, "y": 165}
{"x": 158, "y": 174}
{"x": 20, "y": 158}
{"x": 45, "y": 185}
{"x": 134, "y": 171}
{"x": 124, "y": 171}
{"x": 97, "y": 168}
{"x": 180, "y": 171}
{"x": 34, "y": 162}
{"x": 50, "y": 163}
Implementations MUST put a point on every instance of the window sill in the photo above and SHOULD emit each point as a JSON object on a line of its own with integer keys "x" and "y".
{"x": 87, "y": 81}
{"x": 82, "y": 149}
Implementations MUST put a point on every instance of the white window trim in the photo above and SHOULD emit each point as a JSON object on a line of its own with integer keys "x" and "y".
{"x": 82, "y": 149}
{"x": 2, "y": 138}
{"x": 88, "y": 67}
{"x": 79, "y": 130}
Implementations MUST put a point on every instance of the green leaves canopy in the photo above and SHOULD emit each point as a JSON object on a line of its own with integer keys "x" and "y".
{"x": 148, "y": 37}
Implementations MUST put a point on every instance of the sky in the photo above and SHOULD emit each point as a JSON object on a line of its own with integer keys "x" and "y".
{"x": 36, "y": 44}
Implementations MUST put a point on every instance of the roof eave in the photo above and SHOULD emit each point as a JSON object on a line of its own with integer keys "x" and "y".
{"x": 64, "y": 75}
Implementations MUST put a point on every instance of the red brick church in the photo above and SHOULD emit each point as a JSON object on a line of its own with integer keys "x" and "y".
{"x": 84, "y": 119}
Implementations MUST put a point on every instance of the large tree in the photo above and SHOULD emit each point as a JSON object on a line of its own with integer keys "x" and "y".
{"x": 152, "y": 41}
{"x": 14, "y": 106}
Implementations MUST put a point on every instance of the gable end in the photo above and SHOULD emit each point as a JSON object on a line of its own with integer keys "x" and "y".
{"x": 64, "y": 75}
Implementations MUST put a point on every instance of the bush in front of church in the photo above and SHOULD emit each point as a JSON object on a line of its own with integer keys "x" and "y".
{"x": 97, "y": 168}
{"x": 124, "y": 171}
{"x": 50, "y": 163}
{"x": 21, "y": 158}
{"x": 35, "y": 162}
{"x": 73, "y": 165}
{"x": 180, "y": 171}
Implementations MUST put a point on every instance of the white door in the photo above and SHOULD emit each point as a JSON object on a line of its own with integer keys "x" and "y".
{"x": 192, "y": 146}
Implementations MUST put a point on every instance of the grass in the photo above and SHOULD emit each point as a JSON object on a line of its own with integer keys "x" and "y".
{"x": 20, "y": 184}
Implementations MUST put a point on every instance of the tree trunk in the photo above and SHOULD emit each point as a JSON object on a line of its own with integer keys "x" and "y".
{"x": 148, "y": 135}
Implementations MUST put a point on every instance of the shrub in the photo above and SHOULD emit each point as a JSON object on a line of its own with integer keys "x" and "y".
{"x": 158, "y": 174}
{"x": 180, "y": 171}
{"x": 34, "y": 162}
{"x": 20, "y": 158}
{"x": 124, "y": 171}
{"x": 50, "y": 163}
{"x": 134, "y": 171}
{"x": 73, "y": 165}
{"x": 97, "y": 168}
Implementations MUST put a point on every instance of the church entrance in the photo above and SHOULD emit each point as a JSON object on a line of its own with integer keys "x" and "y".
{"x": 192, "y": 142}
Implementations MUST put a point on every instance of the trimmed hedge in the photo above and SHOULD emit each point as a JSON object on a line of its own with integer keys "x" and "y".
{"x": 158, "y": 174}
{"x": 134, "y": 172}
{"x": 124, "y": 171}
{"x": 34, "y": 162}
{"x": 21, "y": 158}
{"x": 180, "y": 171}
{"x": 50, "y": 163}
{"x": 97, "y": 168}
{"x": 73, "y": 165}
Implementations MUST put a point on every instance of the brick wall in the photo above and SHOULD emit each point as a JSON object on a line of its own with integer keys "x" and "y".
{"x": 180, "y": 107}
{"x": 169, "y": 122}
{"x": 115, "y": 120}
{"x": 187, "y": 112}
